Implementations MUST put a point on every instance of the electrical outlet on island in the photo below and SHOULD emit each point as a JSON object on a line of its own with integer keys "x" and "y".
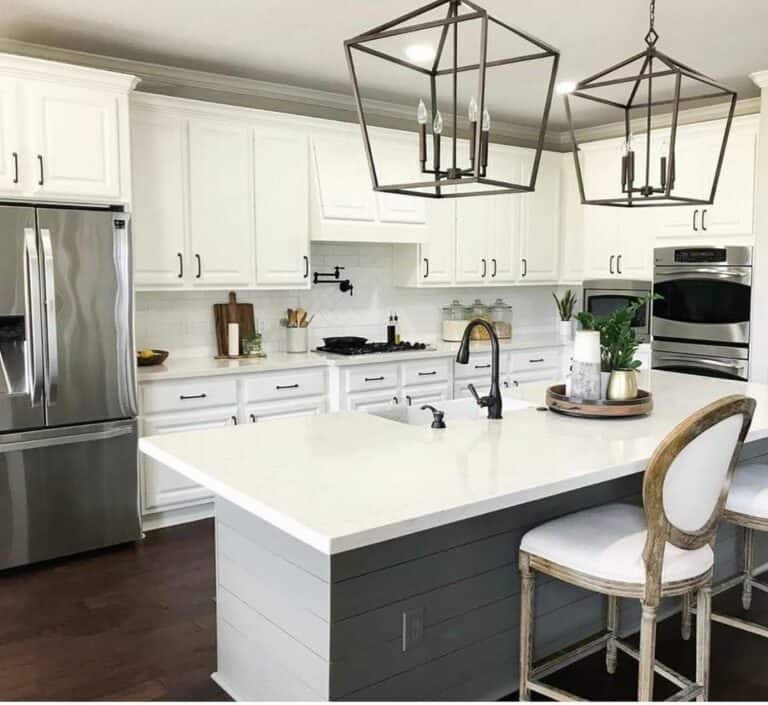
{"x": 413, "y": 627}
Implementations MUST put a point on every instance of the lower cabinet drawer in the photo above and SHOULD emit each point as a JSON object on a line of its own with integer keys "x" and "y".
{"x": 479, "y": 365}
{"x": 532, "y": 360}
{"x": 187, "y": 394}
{"x": 426, "y": 371}
{"x": 365, "y": 377}
{"x": 461, "y": 390}
{"x": 285, "y": 385}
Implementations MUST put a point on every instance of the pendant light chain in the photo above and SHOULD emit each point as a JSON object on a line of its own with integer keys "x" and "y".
{"x": 652, "y": 37}
{"x": 652, "y": 12}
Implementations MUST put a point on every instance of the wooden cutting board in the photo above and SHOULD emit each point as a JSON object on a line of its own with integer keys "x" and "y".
{"x": 232, "y": 312}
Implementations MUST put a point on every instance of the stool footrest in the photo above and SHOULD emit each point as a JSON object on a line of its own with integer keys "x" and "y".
{"x": 686, "y": 694}
{"x": 664, "y": 671}
{"x": 742, "y": 624}
{"x": 570, "y": 655}
{"x": 553, "y": 693}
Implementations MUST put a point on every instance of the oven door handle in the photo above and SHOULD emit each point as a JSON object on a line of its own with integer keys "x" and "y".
{"x": 668, "y": 275}
{"x": 660, "y": 357}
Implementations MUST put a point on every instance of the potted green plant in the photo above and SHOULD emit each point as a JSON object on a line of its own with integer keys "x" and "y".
{"x": 618, "y": 347}
{"x": 565, "y": 307}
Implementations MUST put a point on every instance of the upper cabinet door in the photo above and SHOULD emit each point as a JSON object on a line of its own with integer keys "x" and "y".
{"x": 159, "y": 159}
{"x": 281, "y": 168}
{"x": 74, "y": 139}
{"x": 221, "y": 205}
{"x": 10, "y": 142}
{"x": 572, "y": 212}
{"x": 438, "y": 254}
{"x": 343, "y": 181}
{"x": 540, "y": 241}
{"x": 504, "y": 238}
{"x": 601, "y": 223}
{"x": 473, "y": 224}
{"x": 397, "y": 163}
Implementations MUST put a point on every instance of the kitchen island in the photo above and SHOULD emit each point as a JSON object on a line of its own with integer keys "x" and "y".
{"x": 361, "y": 558}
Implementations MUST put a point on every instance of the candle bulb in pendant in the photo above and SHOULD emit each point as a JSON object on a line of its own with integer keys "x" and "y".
{"x": 421, "y": 117}
{"x": 437, "y": 129}
{"x": 473, "y": 115}
{"x": 663, "y": 164}
{"x": 484, "y": 137}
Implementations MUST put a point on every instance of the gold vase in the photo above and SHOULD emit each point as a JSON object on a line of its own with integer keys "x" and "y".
{"x": 622, "y": 385}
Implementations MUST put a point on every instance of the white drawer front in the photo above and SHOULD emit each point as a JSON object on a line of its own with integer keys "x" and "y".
{"x": 461, "y": 390}
{"x": 365, "y": 377}
{"x": 285, "y": 385}
{"x": 187, "y": 394}
{"x": 427, "y": 371}
{"x": 479, "y": 365}
{"x": 532, "y": 360}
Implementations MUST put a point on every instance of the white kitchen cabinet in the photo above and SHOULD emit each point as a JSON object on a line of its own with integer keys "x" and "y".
{"x": 572, "y": 215}
{"x": 254, "y": 413}
{"x": 160, "y": 219}
{"x": 432, "y": 394}
{"x": 63, "y": 132}
{"x": 697, "y": 152}
{"x": 372, "y": 401}
{"x": 281, "y": 168}
{"x": 394, "y": 154}
{"x": 540, "y": 231}
{"x": 461, "y": 386}
{"x": 221, "y": 208}
{"x": 474, "y": 217}
{"x": 74, "y": 138}
{"x": 10, "y": 138}
{"x": 163, "y": 489}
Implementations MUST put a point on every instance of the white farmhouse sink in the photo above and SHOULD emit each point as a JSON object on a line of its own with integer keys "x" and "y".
{"x": 455, "y": 410}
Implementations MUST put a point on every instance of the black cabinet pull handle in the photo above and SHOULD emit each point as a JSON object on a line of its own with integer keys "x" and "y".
{"x": 42, "y": 173}
{"x": 306, "y": 267}
{"x": 495, "y": 268}
{"x": 485, "y": 268}
{"x": 704, "y": 215}
{"x": 618, "y": 264}
{"x": 525, "y": 267}
{"x": 395, "y": 400}
{"x": 185, "y": 397}
{"x": 426, "y": 268}
{"x": 234, "y": 420}
{"x": 287, "y": 386}
{"x": 199, "y": 267}
{"x": 253, "y": 418}
{"x": 610, "y": 264}
{"x": 482, "y": 367}
{"x": 695, "y": 213}
{"x": 410, "y": 401}
{"x": 538, "y": 359}
{"x": 428, "y": 374}
{"x": 181, "y": 265}
{"x": 374, "y": 379}
{"x": 15, "y": 167}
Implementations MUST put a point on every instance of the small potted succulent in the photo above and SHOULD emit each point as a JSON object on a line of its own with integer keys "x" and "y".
{"x": 565, "y": 306}
{"x": 618, "y": 347}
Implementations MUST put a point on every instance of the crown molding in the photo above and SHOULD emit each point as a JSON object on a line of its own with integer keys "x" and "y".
{"x": 252, "y": 93}
{"x": 760, "y": 78}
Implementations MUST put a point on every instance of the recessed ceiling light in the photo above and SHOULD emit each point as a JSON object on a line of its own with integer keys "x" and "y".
{"x": 565, "y": 87}
{"x": 420, "y": 52}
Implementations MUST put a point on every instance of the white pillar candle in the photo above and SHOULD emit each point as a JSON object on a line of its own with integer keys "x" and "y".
{"x": 586, "y": 346}
{"x": 234, "y": 340}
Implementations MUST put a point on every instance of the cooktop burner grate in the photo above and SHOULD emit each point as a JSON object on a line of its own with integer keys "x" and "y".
{"x": 371, "y": 348}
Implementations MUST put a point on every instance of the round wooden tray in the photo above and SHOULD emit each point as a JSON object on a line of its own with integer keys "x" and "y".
{"x": 603, "y": 409}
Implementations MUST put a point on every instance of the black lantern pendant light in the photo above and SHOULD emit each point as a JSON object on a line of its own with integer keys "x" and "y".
{"x": 647, "y": 176}
{"x": 468, "y": 173}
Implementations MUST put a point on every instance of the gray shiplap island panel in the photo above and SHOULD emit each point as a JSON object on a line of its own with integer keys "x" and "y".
{"x": 297, "y": 624}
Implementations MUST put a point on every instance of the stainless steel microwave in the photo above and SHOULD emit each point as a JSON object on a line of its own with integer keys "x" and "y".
{"x": 603, "y": 296}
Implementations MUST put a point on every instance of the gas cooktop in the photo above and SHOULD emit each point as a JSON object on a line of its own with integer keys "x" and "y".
{"x": 366, "y": 348}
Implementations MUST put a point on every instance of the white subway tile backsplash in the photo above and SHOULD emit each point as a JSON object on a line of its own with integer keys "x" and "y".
{"x": 182, "y": 322}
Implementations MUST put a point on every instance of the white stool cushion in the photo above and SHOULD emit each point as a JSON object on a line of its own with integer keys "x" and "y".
{"x": 749, "y": 491}
{"x": 607, "y": 543}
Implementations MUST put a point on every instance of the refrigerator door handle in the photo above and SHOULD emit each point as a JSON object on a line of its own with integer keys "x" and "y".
{"x": 52, "y": 439}
{"x": 34, "y": 314}
{"x": 52, "y": 369}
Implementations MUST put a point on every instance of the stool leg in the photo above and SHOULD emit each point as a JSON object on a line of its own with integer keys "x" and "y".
{"x": 703, "y": 630}
{"x": 746, "y": 590}
{"x": 685, "y": 615}
{"x": 613, "y": 628}
{"x": 527, "y": 607}
{"x": 647, "y": 653}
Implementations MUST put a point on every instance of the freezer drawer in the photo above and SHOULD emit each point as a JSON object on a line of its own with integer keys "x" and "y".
{"x": 67, "y": 490}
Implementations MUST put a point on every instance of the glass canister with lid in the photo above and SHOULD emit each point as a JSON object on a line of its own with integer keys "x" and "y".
{"x": 501, "y": 317}
{"x": 455, "y": 319}
{"x": 479, "y": 310}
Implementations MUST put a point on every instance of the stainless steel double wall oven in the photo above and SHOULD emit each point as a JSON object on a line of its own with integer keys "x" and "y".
{"x": 701, "y": 325}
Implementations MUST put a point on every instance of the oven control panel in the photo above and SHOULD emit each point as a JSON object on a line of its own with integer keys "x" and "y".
{"x": 709, "y": 255}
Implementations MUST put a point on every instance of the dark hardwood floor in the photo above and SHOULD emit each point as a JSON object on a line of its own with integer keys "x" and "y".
{"x": 138, "y": 623}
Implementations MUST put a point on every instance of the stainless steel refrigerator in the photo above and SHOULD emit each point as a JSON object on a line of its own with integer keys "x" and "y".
{"x": 68, "y": 429}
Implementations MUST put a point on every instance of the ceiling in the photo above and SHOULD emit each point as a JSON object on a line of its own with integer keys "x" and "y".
{"x": 299, "y": 42}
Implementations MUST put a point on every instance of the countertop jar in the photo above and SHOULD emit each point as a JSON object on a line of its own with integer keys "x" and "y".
{"x": 454, "y": 321}
{"x": 501, "y": 316}
{"x": 479, "y": 310}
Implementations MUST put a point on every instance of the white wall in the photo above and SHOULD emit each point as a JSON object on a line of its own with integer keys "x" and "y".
{"x": 182, "y": 322}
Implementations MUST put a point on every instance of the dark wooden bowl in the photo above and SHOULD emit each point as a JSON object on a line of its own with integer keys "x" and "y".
{"x": 556, "y": 400}
{"x": 158, "y": 358}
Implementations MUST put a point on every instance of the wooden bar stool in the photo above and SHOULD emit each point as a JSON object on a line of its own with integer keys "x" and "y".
{"x": 747, "y": 507}
{"x": 663, "y": 550}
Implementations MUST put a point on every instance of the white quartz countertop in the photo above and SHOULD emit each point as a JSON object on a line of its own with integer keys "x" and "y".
{"x": 180, "y": 368}
{"x": 342, "y": 481}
